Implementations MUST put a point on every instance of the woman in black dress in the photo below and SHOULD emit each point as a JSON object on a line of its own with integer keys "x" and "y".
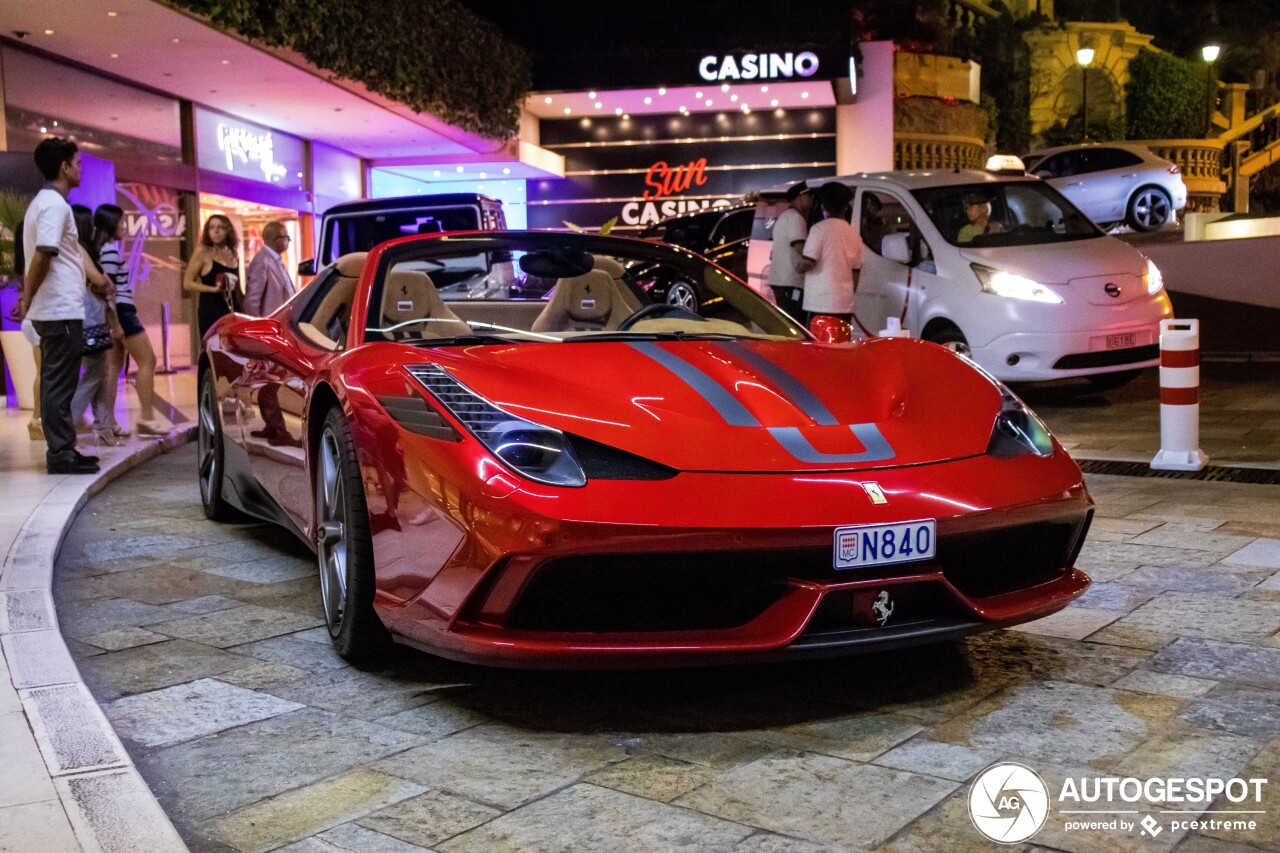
{"x": 214, "y": 271}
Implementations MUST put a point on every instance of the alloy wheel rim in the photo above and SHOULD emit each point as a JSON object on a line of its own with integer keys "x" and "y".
{"x": 1151, "y": 209}
{"x": 205, "y": 434}
{"x": 331, "y": 536}
{"x": 960, "y": 348}
{"x": 681, "y": 295}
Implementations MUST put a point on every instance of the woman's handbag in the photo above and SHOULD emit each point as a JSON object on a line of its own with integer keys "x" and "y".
{"x": 229, "y": 285}
{"x": 97, "y": 338}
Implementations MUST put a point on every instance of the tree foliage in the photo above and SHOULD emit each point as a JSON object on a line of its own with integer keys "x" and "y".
{"x": 432, "y": 55}
{"x": 1165, "y": 98}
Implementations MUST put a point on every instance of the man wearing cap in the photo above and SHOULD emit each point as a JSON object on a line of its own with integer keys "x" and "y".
{"x": 978, "y": 210}
{"x": 789, "y": 233}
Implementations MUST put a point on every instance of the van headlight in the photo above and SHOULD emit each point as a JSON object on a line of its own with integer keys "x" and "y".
{"x": 538, "y": 452}
{"x": 1013, "y": 286}
{"x": 1152, "y": 278}
{"x": 1017, "y": 431}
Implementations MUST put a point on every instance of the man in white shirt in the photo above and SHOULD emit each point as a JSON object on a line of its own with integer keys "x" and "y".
{"x": 53, "y": 297}
{"x": 832, "y": 257}
{"x": 789, "y": 233}
{"x": 269, "y": 283}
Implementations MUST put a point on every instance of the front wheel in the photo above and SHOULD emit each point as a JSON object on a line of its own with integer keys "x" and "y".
{"x": 951, "y": 338}
{"x": 210, "y": 453}
{"x": 1149, "y": 209}
{"x": 344, "y": 547}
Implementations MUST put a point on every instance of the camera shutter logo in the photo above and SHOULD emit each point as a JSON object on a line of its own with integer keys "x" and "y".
{"x": 1008, "y": 803}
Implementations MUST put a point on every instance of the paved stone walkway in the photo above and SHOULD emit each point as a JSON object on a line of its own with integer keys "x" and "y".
{"x": 205, "y": 647}
{"x": 1239, "y": 415}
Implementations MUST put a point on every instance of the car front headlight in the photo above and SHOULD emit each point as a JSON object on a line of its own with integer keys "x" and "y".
{"x": 1152, "y": 278}
{"x": 1013, "y": 286}
{"x": 1017, "y": 431}
{"x": 541, "y": 453}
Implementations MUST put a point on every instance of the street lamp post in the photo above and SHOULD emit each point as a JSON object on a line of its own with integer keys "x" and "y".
{"x": 1084, "y": 56}
{"x": 1210, "y": 53}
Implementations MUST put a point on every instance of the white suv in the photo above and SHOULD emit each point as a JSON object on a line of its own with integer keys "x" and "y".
{"x": 1039, "y": 293}
{"x": 1114, "y": 182}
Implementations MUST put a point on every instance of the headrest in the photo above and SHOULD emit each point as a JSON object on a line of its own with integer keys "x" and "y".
{"x": 587, "y": 298}
{"x": 604, "y": 263}
{"x": 351, "y": 265}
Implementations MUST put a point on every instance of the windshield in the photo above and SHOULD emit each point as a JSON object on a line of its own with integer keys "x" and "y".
{"x": 515, "y": 287}
{"x": 1004, "y": 214}
{"x": 360, "y": 232}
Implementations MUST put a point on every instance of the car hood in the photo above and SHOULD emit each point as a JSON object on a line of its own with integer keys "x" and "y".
{"x": 744, "y": 405}
{"x": 1060, "y": 263}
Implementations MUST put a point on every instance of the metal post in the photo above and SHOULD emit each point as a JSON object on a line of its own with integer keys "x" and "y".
{"x": 1084, "y": 102}
{"x": 164, "y": 340}
{"x": 1208, "y": 100}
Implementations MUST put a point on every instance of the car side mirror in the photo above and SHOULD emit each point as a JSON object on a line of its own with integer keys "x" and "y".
{"x": 830, "y": 330}
{"x": 896, "y": 248}
{"x": 307, "y": 267}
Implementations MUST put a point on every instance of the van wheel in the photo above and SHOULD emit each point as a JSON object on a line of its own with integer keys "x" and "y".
{"x": 951, "y": 338}
{"x": 1149, "y": 208}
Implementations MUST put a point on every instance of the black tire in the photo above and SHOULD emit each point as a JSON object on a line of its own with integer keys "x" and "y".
{"x": 211, "y": 469}
{"x": 1112, "y": 381}
{"x": 344, "y": 546}
{"x": 1149, "y": 209}
{"x": 683, "y": 295}
{"x": 950, "y": 337}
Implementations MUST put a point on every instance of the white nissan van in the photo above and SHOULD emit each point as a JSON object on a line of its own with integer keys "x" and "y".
{"x": 1034, "y": 292}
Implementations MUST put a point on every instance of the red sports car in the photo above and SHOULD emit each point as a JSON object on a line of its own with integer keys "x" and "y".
{"x": 501, "y": 454}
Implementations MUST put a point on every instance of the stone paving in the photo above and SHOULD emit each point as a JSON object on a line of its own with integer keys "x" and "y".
{"x": 1239, "y": 415}
{"x": 204, "y": 645}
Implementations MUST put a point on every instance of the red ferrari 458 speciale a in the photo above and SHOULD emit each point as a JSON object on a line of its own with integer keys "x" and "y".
{"x": 503, "y": 453}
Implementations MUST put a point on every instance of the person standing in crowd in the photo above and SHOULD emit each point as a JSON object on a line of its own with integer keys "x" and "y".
{"x": 269, "y": 284}
{"x": 52, "y": 295}
{"x": 832, "y": 257}
{"x": 789, "y": 233}
{"x": 108, "y": 229}
{"x": 100, "y": 333}
{"x": 212, "y": 271}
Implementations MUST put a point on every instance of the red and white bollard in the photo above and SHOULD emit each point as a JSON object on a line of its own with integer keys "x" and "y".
{"x": 1179, "y": 397}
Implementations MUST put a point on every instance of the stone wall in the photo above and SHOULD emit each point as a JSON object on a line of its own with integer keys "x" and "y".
{"x": 1057, "y": 79}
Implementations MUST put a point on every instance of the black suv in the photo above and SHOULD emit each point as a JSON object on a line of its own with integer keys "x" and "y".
{"x": 719, "y": 234}
{"x": 358, "y": 226}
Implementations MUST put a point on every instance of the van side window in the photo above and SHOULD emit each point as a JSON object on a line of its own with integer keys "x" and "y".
{"x": 881, "y": 215}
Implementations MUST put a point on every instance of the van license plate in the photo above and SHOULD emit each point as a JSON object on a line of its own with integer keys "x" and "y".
{"x": 884, "y": 544}
{"x": 1122, "y": 341}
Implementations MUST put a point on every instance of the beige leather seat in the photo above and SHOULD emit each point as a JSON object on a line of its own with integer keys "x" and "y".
{"x": 328, "y": 325}
{"x": 411, "y": 295}
{"x": 582, "y": 303}
{"x": 616, "y": 271}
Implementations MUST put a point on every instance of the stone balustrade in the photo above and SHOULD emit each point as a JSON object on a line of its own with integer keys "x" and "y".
{"x": 920, "y": 151}
{"x": 1201, "y": 162}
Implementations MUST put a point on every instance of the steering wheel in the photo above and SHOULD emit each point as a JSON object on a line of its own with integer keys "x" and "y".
{"x": 657, "y": 309}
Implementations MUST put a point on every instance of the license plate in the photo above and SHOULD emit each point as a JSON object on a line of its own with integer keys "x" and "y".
{"x": 1122, "y": 341}
{"x": 884, "y": 544}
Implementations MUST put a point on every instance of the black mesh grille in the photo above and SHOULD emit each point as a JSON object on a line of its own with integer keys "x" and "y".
{"x": 651, "y": 592}
{"x": 1107, "y": 358}
{"x": 723, "y": 589}
{"x": 602, "y": 462}
{"x": 991, "y": 563}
